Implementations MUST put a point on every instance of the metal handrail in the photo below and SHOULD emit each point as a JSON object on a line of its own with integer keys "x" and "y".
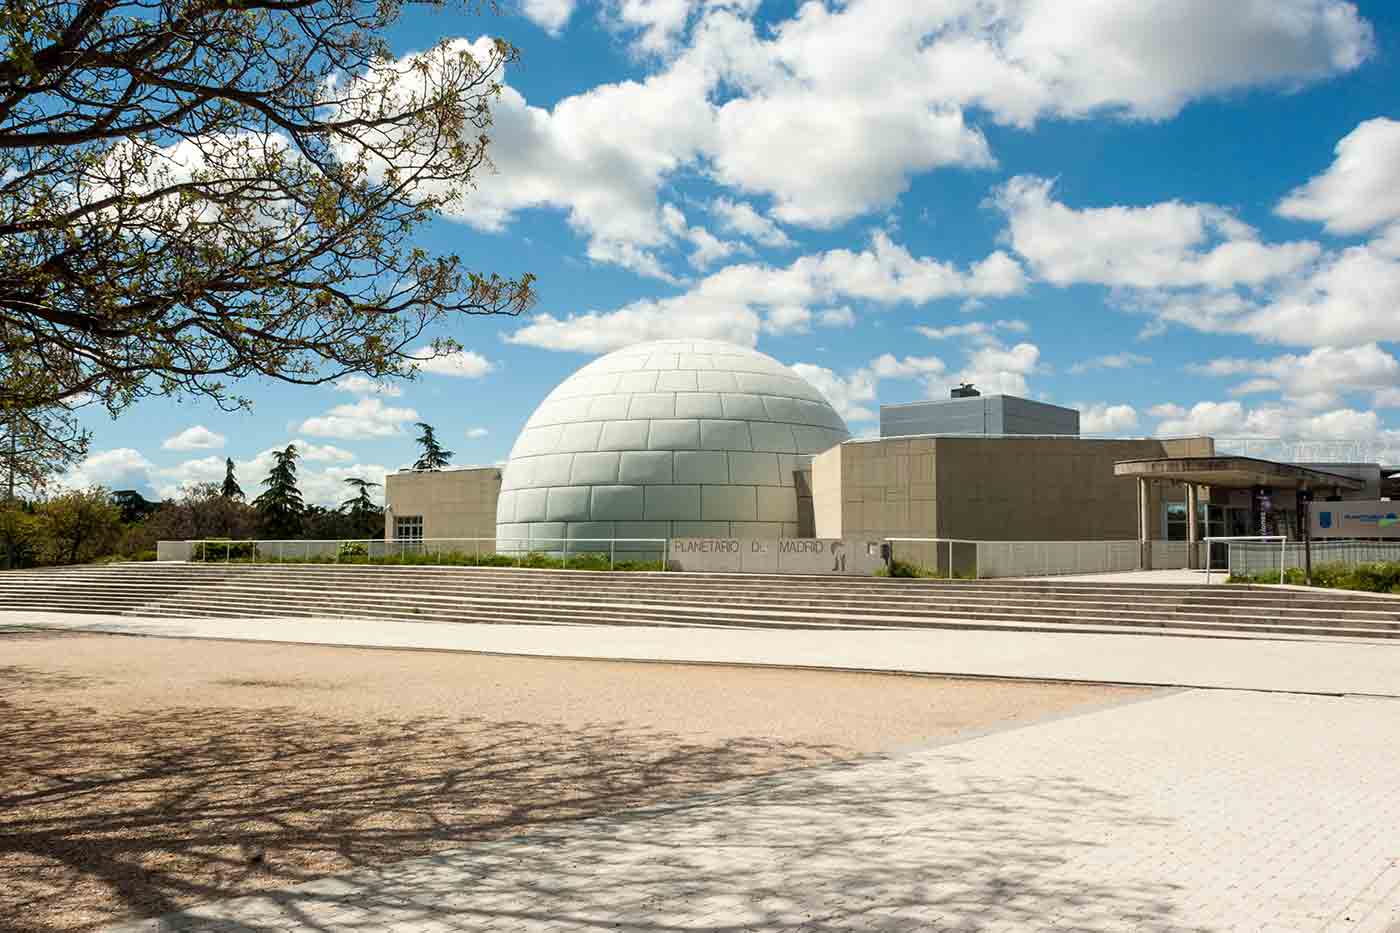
{"x": 1282, "y": 550}
{"x": 258, "y": 544}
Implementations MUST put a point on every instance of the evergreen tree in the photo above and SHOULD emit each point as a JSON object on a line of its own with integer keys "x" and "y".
{"x": 361, "y": 508}
{"x": 231, "y": 488}
{"x": 280, "y": 506}
{"x": 434, "y": 457}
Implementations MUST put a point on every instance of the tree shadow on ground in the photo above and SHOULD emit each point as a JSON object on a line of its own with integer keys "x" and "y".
{"x": 110, "y": 815}
{"x": 536, "y": 826}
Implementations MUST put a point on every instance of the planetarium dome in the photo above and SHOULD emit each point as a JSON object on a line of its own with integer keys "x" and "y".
{"x": 666, "y": 439}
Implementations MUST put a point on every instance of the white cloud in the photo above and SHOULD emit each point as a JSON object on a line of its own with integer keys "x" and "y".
{"x": 1360, "y": 191}
{"x": 550, "y": 15}
{"x": 1316, "y": 379}
{"x": 739, "y": 217}
{"x": 888, "y": 366}
{"x": 321, "y": 452}
{"x": 1102, "y": 418}
{"x": 978, "y": 331}
{"x": 730, "y": 303}
{"x": 196, "y": 437}
{"x": 327, "y": 487}
{"x": 1165, "y": 245}
{"x": 1233, "y": 420}
{"x": 1111, "y": 361}
{"x": 685, "y": 316}
{"x": 787, "y": 319}
{"x": 1167, "y": 410}
{"x": 1145, "y": 59}
{"x": 836, "y": 317}
{"x": 363, "y": 385}
{"x": 850, "y": 394}
{"x": 847, "y": 394}
{"x": 476, "y": 433}
{"x": 467, "y": 364}
{"x": 1001, "y": 370}
{"x": 708, "y": 247}
{"x": 368, "y": 417}
{"x": 122, "y": 468}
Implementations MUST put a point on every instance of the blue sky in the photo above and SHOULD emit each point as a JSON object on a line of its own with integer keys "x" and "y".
{"x": 1181, "y": 216}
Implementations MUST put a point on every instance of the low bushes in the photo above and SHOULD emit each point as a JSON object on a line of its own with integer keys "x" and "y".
{"x": 1379, "y": 577}
{"x": 358, "y": 552}
{"x": 904, "y": 568}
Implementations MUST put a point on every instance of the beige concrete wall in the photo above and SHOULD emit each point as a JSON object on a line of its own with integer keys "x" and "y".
{"x": 826, "y": 492}
{"x": 987, "y": 489}
{"x": 453, "y": 503}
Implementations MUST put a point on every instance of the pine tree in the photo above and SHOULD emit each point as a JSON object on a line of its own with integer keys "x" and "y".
{"x": 231, "y": 488}
{"x": 362, "y": 509}
{"x": 434, "y": 457}
{"x": 280, "y": 506}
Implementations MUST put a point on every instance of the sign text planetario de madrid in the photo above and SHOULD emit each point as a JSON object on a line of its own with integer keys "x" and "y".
{"x": 849, "y": 556}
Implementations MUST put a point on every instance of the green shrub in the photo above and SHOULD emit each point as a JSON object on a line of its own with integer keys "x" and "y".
{"x": 351, "y": 552}
{"x": 219, "y": 550}
{"x": 1382, "y": 577}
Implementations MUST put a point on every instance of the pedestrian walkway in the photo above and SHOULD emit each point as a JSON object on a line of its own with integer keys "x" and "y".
{"x": 1298, "y": 665}
{"x": 1194, "y": 811}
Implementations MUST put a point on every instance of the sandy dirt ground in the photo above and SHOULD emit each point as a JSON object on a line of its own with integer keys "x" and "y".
{"x": 141, "y": 775}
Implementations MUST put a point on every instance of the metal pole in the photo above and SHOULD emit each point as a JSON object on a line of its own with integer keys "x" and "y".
{"x": 1282, "y": 553}
{"x": 612, "y": 551}
{"x": 977, "y": 560}
{"x": 566, "y": 553}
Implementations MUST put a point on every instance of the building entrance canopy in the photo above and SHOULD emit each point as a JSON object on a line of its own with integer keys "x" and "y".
{"x": 1236, "y": 473}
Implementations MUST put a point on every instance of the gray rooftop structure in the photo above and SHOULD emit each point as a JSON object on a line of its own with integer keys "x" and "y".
{"x": 983, "y": 414}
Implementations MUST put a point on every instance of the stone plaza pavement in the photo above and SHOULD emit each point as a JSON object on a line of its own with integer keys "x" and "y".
{"x": 1331, "y": 666}
{"x": 1185, "y": 810}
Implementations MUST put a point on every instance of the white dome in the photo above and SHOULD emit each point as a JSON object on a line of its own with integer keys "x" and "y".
{"x": 667, "y": 439}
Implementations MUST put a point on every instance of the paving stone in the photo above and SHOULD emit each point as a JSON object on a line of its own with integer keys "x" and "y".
{"x": 1196, "y": 811}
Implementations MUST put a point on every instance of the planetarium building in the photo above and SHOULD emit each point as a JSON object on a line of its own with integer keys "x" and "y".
{"x": 669, "y": 439}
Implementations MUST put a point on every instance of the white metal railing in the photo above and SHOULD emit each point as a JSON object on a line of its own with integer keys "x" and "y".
{"x": 992, "y": 559}
{"x": 1231, "y": 540}
{"x": 451, "y": 550}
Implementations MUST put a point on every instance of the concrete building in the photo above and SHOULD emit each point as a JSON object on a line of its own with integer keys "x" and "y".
{"x": 673, "y": 438}
{"x": 977, "y": 414}
{"x": 988, "y": 489}
{"x": 695, "y": 438}
{"x": 458, "y": 502}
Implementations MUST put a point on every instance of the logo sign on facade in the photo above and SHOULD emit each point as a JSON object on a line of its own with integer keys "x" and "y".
{"x": 1356, "y": 519}
{"x": 776, "y": 555}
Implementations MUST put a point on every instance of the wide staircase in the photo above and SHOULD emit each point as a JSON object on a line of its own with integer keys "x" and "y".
{"x": 564, "y": 597}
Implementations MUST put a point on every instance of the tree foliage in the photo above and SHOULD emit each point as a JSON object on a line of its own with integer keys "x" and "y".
{"x": 79, "y": 525}
{"x": 433, "y": 456}
{"x": 195, "y": 191}
{"x": 36, "y": 444}
{"x": 280, "y": 506}
{"x": 231, "y": 489}
{"x": 366, "y": 515}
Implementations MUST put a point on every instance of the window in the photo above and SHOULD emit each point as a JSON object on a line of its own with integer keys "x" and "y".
{"x": 408, "y": 528}
{"x": 1211, "y": 520}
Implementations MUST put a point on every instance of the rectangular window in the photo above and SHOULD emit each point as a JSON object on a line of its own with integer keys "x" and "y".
{"x": 408, "y": 528}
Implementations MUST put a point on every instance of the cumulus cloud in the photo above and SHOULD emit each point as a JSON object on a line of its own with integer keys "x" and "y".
{"x": 979, "y": 331}
{"x": 1102, "y": 418}
{"x": 365, "y": 418}
{"x": 466, "y": 364}
{"x": 740, "y": 218}
{"x": 1110, "y": 361}
{"x": 121, "y": 468}
{"x": 550, "y": 15}
{"x": 1233, "y": 420}
{"x": 363, "y": 385}
{"x": 1001, "y": 370}
{"x": 476, "y": 433}
{"x": 195, "y": 437}
{"x": 731, "y": 304}
{"x": 1316, "y": 379}
{"x": 1166, "y": 245}
{"x": 1360, "y": 190}
{"x": 849, "y": 394}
